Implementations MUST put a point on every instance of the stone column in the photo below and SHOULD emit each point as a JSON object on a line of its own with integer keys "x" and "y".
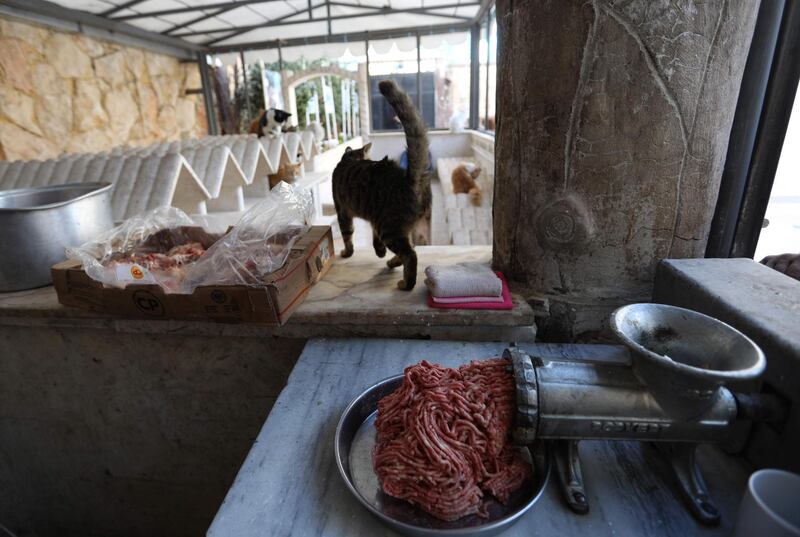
{"x": 613, "y": 123}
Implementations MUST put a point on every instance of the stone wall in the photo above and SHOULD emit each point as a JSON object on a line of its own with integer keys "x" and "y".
{"x": 65, "y": 92}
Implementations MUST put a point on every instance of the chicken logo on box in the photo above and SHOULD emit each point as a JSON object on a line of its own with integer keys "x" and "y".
{"x": 133, "y": 273}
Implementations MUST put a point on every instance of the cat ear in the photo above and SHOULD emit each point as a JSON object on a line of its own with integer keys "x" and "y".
{"x": 347, "y": 149}
{"x": 367, "y": 147}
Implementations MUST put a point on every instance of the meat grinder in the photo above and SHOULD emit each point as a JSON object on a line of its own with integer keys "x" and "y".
{"x": 670, "y": 391}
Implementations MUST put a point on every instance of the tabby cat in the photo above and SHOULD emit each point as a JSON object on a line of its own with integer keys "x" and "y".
{"x": 390, "y": 198}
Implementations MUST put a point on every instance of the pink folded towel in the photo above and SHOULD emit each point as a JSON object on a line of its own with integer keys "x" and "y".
{"x": 506, "y": 304}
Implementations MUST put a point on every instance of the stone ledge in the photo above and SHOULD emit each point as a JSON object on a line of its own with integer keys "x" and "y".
{"x": 357, "y": 298}
{"x": 759, "y": 301}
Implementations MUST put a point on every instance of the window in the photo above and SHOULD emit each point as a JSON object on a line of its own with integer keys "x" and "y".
{"x": 383, "y": 117}
{"x": 436, "y": 77}
{"x": 781, "y": 230}
{"x": 395, "y": 59}
{"x": 445, "y": 58}
{"x": 317, "y": 68}
{"x": 487, "y": 83}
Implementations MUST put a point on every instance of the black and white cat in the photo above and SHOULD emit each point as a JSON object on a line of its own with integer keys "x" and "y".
{"x": 271, "y": 123}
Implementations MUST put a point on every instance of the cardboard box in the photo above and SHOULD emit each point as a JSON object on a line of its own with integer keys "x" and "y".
{"x": 284, "y": 290}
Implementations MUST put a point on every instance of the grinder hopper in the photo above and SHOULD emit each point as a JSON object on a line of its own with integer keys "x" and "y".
{"x": 683, "y": 356}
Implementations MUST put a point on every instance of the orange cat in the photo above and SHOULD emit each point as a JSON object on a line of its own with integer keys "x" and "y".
{"x": 464, "y": 176}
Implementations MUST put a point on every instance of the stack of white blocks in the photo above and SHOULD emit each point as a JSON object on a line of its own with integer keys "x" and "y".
{"x": 466, "y": 224}
{"x": 211, "y": 174}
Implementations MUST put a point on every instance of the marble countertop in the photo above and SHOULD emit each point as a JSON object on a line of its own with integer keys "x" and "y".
{"x": 289, "y": 484}
{"x": 358, "y": 297}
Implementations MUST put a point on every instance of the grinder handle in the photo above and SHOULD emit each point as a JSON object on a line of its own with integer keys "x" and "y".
{"x": 570, "y": 477}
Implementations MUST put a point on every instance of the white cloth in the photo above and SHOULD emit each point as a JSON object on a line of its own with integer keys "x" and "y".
{"x": 466, "y": 299}
{"x": 463, "y": 279}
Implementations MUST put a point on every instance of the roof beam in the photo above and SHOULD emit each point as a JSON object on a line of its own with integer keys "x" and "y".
{"x": 427, "y": 10}
{"x": 73, "y": 20}
{"x": 190, "y": 9}
{"x": 244, "y": 30}
{"x": 196, "y": 19}
{"x": 328, "y": 11}
{"x": 382, "y": 11}
{"x": 344, "y": 38}
{"x": 120, "y": 7}
{"x": 486, "y": 5}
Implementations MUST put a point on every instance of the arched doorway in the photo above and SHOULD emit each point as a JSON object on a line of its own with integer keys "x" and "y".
{"x": 331, "y": 80}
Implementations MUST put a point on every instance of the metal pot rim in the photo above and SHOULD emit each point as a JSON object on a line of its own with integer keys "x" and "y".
{"x": 92, "y": 189}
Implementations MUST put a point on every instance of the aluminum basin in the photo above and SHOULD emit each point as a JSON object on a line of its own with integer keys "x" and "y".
{"x": 36, "y": 224}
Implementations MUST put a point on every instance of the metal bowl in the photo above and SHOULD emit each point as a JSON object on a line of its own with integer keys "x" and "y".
{"x": 355, "y": 440}
{"x": 36, "y": 224}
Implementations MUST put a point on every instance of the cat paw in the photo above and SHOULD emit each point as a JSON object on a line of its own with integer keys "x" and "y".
{"x": 394, "y": 262}
{"x": 403, "y": 286}
{"x": 346, "y": 252}
{"x": 380, "y": 252}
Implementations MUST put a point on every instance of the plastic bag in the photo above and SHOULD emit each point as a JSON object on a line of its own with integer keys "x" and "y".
{"x": 167, "y": 247}
{"x": 151, "y": 247}
{"x": 258, "y": 244}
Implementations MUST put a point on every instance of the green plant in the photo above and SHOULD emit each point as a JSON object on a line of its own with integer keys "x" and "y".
{"x": 250, "y": 105}
{"x": 249, "y": 98}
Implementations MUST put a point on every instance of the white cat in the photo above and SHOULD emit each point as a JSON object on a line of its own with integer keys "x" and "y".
{"x": 458, "y": 121}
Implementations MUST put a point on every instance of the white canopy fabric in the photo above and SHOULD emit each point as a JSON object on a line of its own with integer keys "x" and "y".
{"x": 216, "y": 23}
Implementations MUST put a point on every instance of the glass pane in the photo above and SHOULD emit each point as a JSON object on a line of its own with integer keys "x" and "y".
{"x": 393, "y": 56}
{"x": 396, "y": 59}
{"x": 483, "y": 53}
{"x": 445, "y": 80}
{"x": 782, "y": 232}
{"x": 492, "y": 72}
{"x": 343, "y": 55}
{"x": 383, "y": 116}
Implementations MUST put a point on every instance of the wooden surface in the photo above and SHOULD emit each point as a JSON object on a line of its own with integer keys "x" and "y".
{"x": 289, "y": 484}
{"x": 357, "y": 298}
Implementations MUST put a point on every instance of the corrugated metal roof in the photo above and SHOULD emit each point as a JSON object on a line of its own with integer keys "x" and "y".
{"x": 215, "y": 23}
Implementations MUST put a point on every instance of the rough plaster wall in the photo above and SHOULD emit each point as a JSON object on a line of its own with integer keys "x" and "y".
{"x": 614, "y": 118}
{"x": 65, "y": 92}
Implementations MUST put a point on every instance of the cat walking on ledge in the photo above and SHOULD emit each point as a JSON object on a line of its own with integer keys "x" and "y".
{"x": 392, "y": 199}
